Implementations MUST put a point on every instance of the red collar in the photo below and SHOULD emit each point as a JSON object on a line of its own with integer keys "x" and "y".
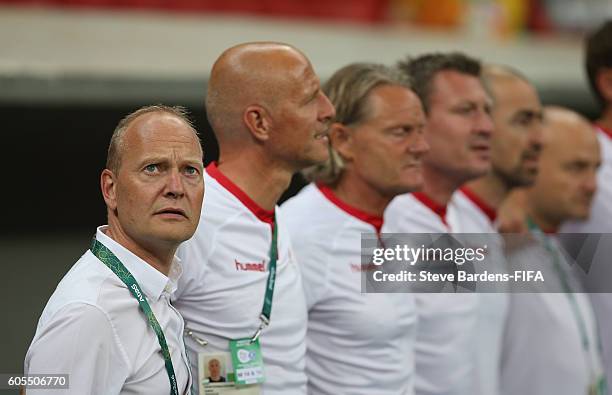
{"x": 263, "y": 215}
{"x": 437, "y": 208}
{"x": 606, "y": 131}
{"x": 371, "y": 219}
{"x": 481, "y": 204}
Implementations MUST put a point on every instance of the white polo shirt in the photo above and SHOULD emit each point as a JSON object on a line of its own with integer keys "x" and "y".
{"x": 542, "y": 349}
{"x": 93, "y": 329}
{"x": 600, "y": 221}
{"x": 222, "y": 289}
{"x": 467, "y": 213}
{"x": 446, "y": 321}
{"x": 357, "y": 343}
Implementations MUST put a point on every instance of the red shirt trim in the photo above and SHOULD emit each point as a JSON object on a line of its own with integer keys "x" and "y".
{"x": 481, "y": 204}
{"x": 437, "y": 208}
{"x": 605, "y": 130}
{"x": 374, "y": 220}
{"x": 263, "y": 215}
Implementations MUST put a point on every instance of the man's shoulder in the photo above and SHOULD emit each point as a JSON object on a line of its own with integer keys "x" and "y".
{"x": 85, "y": 285}
{"x": 310, "y": 212}
{"x": 218, "y": 202}
{"x": 464, "y": 216}
{"x": 406, "y": 214}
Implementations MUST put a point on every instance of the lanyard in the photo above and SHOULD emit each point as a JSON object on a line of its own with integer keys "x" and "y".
{"x": 569, "y": 292}
{"x": 113, "y": 263}
{"x": 564, "y": 282}
{"x": 266, "y": 310}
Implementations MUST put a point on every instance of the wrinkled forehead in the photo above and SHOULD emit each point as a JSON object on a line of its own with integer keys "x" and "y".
{"x": 451, "y": 86}
{"x": 390, "y": 100}
{"x": 158, "y": 131}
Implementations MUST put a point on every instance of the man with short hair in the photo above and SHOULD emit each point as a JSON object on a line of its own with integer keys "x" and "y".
{"x": 458, "y": 132}
{"x": 109, "y": 324}
{"x": 515, "y": 148}
{"x": 551, "y": 344}
{"x": 214, "y": 371}
{"x": 242, "y": 289}
{"x": 358, "y": 344}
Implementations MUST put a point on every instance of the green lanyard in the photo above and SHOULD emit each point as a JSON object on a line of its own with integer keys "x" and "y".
{"x": 266, "y": 311}
{"x": 113, "y": 263}
{"x": 533, "y": 227}
{"x": 601, "y": 385}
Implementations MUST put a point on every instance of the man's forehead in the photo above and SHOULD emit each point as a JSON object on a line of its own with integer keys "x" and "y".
{"x": 454, "y": 85}
{"x": 393, "y": 99}
{"x": 563, "y": 138}
{"x": 159, "y": 130}
{"x": 158, "y": 126}
{"x": 515, "y": 92}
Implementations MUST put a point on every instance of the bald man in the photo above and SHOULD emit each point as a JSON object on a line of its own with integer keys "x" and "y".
{"x": 515, "y": 148}
{"x": 598, "y": 62}
{"x": 551, "y": 344}
{"x": 242, "y": 290}
{"x": 109, "y": 324}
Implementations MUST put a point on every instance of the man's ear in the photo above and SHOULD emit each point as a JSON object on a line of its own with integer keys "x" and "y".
{"x": 341, "y": 139}
{"x": 257, "y": 120}
{"x": 604, "y": 84}
{"x": 109, "y": 189}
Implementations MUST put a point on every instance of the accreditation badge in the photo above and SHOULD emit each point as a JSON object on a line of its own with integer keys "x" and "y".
{"x": 598, "y": 387}
{"x": 247, "y": 361}
{"x": 216, "y": 376}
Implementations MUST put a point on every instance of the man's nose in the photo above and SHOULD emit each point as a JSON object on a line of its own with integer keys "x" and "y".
{"x": 327, "y": 111}
{"x": 420, "y": 146}
{"x": 484, "y": 123}
{"x": 535, "y": 137}
{"x": 174, "y": 184}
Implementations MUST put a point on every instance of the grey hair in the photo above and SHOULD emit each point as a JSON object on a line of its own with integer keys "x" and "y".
{"x": 115, "y": 147}
{"x": 348, "y": 90}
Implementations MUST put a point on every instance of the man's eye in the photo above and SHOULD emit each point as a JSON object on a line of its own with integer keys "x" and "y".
{"x": 464, "y": 110}
{"x": 190, "y": 170}
{"x": 150, "y": 168}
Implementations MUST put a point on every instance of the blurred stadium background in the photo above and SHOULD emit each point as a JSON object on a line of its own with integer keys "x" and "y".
{"x": 70, "y": 69}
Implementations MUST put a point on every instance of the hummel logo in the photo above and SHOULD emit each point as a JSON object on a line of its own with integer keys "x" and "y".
{"x": 250, "y": 266}
{"x": 357, "y": 268}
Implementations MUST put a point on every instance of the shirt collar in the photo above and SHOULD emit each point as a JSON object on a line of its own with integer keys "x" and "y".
{"x": 606, "y": 131}
{"x": 261, "y": 213}
{"x": 437, "y": 208}
{"x": 151, "y": 280}
{"x": 374, "y": 220}
{"x": 488, "y": 210}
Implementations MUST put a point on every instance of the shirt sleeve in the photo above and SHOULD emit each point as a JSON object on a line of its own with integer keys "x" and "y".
{"x": 79, "y": 340}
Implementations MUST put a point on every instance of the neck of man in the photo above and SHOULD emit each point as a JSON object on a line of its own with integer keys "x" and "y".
{"x": 605, "y": 120}
{"x": 159, "y": 255}
{"x": 260, "y": 178}
{"x": 490, "y": 188}
{"x": 439, "y": 186}
{"x": 546, "y": 223}
{"x": 356, "y": 192}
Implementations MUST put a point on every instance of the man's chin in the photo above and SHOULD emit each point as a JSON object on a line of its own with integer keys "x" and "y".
{"x": 314, "y": 160}
{"x": 174, "y": 234}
